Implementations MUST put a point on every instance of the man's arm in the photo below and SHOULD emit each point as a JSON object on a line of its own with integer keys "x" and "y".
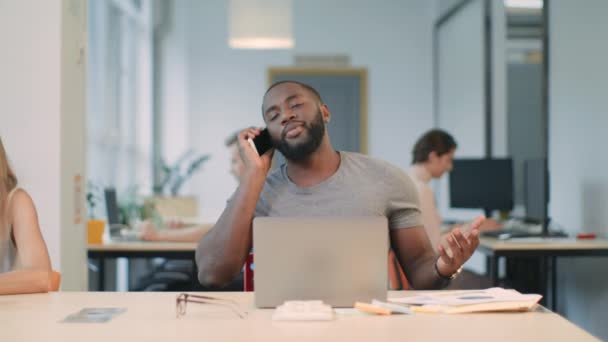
{"x": 221, "y": 252}
{"x": 425, "y": 269}
{"x": 416, "y": 256}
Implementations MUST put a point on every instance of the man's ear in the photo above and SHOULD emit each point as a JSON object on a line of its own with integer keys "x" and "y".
{"x": 433, "y": 156}
{"x": 325, "y": 113}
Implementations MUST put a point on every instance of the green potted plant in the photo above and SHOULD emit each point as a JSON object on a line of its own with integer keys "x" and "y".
{"x": 167, "y": 200}
{"x": 133, "y": 208}
{"x": 174, "y": 176}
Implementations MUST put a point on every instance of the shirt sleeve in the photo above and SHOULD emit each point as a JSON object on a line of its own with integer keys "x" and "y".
{"x": 403, "y": 209}
{"x": 261, "y": 207}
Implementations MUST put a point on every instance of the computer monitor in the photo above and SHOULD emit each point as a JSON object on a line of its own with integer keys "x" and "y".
{"x": 112, "y": 206}
{"x": 536, "y": 196}
{"x": 482, "y": 183}
{"x": 536, "y": 190}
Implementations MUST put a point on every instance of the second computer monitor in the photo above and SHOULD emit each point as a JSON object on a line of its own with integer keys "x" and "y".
{"x": 536, "y": 190}
{"x": 482, "y": 183}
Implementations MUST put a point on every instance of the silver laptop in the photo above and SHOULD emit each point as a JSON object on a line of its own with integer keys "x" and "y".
{"x": 337, "y": 260}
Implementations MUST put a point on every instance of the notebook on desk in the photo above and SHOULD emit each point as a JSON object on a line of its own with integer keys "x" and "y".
{"x": 337, "y": 260}
{"x": 469, "y": 301}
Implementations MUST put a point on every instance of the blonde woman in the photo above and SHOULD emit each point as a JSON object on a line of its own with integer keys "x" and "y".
{"x": 24, "y": 260}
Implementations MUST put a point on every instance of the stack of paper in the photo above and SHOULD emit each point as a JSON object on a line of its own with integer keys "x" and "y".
{"x": 493, "y": 299}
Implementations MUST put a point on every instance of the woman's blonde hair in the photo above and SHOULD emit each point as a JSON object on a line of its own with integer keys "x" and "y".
{"x": 8, "y": 180}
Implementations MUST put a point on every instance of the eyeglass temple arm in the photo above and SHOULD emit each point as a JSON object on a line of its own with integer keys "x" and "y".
{"x": 233, "y": 305}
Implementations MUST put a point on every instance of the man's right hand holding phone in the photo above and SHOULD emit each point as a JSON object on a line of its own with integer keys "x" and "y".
{"x": 255, "y": 165}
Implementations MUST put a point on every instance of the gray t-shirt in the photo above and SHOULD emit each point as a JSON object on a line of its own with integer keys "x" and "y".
{"x": 362, "y": 186}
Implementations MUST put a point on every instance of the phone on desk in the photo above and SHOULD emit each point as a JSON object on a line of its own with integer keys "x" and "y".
{"x": 262, "y": 143}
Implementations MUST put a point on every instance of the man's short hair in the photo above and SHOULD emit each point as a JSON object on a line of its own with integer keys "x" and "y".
{"x": 309, "y": 88}
{"x": 435, "y": 140}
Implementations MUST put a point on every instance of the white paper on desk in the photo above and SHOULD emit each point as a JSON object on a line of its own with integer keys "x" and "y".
{"x": 458, "y": 298}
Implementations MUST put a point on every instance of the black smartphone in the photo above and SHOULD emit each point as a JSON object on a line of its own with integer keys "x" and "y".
{"x": 262, "y": 142}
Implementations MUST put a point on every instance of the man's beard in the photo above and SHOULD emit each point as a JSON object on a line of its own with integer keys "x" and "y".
{"x": 302, "y": 150}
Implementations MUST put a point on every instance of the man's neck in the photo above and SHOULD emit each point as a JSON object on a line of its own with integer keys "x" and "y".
{"x": 321, "y": 165}
{"x": 423, "y": 172}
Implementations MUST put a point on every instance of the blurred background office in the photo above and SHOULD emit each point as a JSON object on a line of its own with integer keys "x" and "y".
{"x": 139, "y": 96}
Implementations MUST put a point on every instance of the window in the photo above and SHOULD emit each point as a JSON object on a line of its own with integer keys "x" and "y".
{"x": 119, "y": 119}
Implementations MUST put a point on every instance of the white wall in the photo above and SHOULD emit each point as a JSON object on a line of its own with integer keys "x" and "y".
{"x": 174, "y": 78}
{"x": 461, "y": 88}
{"x": 578, "y": 119}
{"x": 461, "y": 94}
{"x": 24, "y": 73}
{"x": 41, "y": 115}
{"x": 390, "y": 38}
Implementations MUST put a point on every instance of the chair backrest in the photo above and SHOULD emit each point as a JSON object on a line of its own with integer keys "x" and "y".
{"x": 248, "y": 274}
{"x": 397, "y": 279}
{"x": 55, "y": 281}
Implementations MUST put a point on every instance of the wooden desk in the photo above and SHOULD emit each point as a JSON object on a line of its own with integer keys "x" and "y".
{"x": 150, "y": 316}
{"x": 548, "y": 249}
{"x": 138, "y": 249}
{"x": 541, "y": 246}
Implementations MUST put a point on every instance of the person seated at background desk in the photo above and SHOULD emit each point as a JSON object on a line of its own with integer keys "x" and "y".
{"x": 320, "y": 181}
{"x": 432, "y": 157}
{"x": 24, "y": 260}
{"x": 178, "y": 231}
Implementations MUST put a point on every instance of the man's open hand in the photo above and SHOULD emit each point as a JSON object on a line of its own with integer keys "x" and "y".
{"x": 457, "y": 247}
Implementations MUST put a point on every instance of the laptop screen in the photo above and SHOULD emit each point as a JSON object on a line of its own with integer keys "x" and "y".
{"x": 112, "y": 206}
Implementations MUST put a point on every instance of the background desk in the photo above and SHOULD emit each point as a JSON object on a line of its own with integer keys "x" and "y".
{"x": 138, "y": 249}
{"x": 547, "y": 250}
{"x": 150, "y": 316}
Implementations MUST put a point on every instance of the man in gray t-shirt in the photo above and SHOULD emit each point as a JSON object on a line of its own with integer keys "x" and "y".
{"x": 362, "y": 186}
{"x": 320, "y": 181}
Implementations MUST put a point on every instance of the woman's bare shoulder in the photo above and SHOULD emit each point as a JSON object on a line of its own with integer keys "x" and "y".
{"x": 20, "y": 203}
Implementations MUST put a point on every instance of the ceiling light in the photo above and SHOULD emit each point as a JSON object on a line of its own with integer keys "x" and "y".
{"x": 524, "y": 4}
{"x": 260, "y": 24}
